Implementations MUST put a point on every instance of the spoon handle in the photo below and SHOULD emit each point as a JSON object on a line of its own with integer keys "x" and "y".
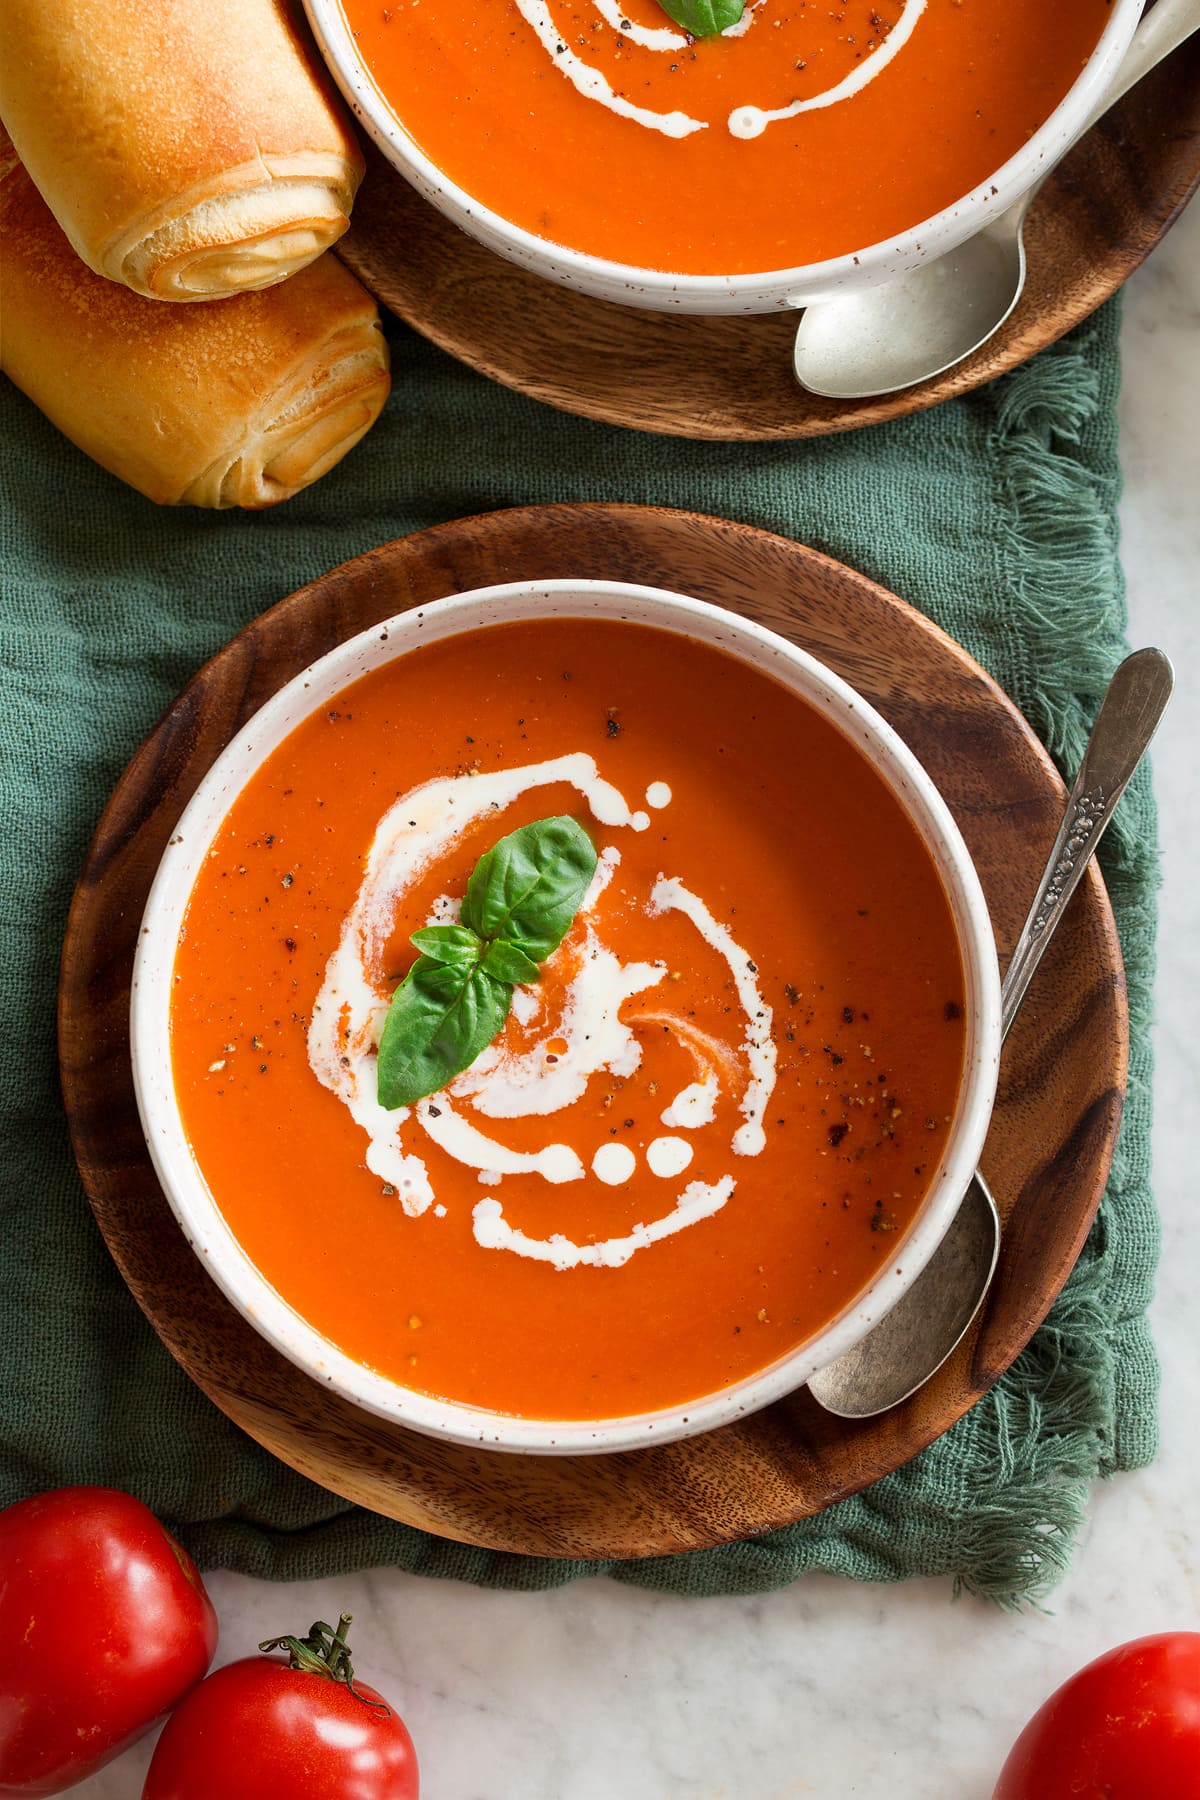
{"x": 1162, "y": 29}
{"x": 1128, "y": 717}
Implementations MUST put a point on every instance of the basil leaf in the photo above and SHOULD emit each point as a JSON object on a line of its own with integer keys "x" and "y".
{"x": 520, "y": 900}
{"x": 440, "y": 1018}
{"x": 452, "y": 944}
{"x": 701, "y": 18}
{"x": 528, "y": 887}
{"x": 508, "y": 962}
{"x": 460, "y": 948}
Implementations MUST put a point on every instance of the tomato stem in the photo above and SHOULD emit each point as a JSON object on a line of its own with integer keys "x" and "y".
{"x": 325, "y": 1652}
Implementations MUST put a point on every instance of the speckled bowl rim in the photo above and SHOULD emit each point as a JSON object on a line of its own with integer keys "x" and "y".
{"x": 300, "y": 1340}
{"x": 765, "y": 291}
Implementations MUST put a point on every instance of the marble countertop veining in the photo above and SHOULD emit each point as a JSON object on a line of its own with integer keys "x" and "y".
{"x": 604, "y": 1692}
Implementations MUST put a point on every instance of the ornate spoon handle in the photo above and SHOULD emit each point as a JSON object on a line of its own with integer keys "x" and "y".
{"x": 1128, "y": 717}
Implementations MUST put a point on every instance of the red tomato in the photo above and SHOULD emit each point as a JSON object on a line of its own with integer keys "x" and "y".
{"x": 1126, "y": 1727}
{"x": 104, "y": 1625}
{"x": 261, "y": 1726}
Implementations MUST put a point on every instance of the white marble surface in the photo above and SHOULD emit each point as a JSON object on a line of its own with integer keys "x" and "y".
{"x": 602, "y": 1692}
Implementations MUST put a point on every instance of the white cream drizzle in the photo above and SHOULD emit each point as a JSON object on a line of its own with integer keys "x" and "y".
{"x": 503, "y": 1086}
{"x": 647, "y": 36}
{"x": 752, "y": 121}
{"x": 667, "y": 1156}
{"x": 407, "y": 1174}
{"x": 552, "y": 1074}
{"x": 595, "y": 86}
{"x": 695, "y": 1104}
{"x": 448, "y": 1129}
{"x": 744, "y": 121}
{"x": 699, "y": 1200}
{"x": 758, "y": 1044}
{"x": 613, "y": 1164}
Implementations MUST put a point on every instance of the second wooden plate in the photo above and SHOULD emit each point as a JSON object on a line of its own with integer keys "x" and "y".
{"x": 1048, "y": 1151}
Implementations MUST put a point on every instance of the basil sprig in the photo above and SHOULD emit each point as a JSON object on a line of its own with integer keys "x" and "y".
{"x": 701, "y": 18}
{"x": 521, "y": 898}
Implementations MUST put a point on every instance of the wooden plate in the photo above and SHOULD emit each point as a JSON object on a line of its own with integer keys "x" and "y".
{"x": 1048, "y": 1152}
{"x": 1094, "y": 222}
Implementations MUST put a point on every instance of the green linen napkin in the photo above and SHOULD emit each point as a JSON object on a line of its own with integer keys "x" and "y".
{"x": 994, "y": 514}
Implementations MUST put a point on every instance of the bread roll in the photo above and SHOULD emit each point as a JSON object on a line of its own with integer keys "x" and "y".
{"x": 188, "y": 148}
{"x": 238, "y": 403}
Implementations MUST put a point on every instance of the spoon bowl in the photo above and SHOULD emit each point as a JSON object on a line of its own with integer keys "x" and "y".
{"x": 918, "y": 325}
{"x": 918, "y": 1334}
{"x": 942, "y": 1301}
{"x": 914, "y": 327}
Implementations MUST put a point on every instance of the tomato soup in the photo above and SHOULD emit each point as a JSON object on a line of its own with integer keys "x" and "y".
{"x": 704, "y": 1128}
{"x": 807, "y": 131}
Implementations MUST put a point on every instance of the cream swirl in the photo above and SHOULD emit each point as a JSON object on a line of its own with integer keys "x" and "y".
{"x": 543, "y": 1069}
{"x": 571, "y": 55}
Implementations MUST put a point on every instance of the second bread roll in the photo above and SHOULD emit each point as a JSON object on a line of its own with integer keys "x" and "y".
{"x": 188, "y": 148}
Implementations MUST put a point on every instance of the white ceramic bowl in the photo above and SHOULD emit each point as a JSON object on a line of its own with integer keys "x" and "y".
{"x": 662, "y": 291}
{"x": 185, "y": 1187}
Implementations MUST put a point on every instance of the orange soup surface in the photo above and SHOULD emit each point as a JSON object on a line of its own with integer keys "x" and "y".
{"x": 704, "y": 1128}
{"x": 808, "y": 131}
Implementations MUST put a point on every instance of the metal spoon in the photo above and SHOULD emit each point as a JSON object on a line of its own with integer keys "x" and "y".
{"x": 914, "y": 326}
{"x": 914, "y": 1339}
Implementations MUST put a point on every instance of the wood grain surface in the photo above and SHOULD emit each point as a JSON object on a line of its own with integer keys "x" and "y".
{"x": 1048, "y": 1151}
{"x": 1095, "y": 221}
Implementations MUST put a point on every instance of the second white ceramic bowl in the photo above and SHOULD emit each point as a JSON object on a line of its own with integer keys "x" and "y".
{"x": 766, "y": 291}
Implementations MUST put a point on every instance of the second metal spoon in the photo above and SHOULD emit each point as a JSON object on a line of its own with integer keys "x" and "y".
{"x": 914, "y": 1339}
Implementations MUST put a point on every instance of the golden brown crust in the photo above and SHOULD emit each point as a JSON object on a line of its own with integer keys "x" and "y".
{"x": 188, "y": 148}
{"x": 236, "y": 403}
